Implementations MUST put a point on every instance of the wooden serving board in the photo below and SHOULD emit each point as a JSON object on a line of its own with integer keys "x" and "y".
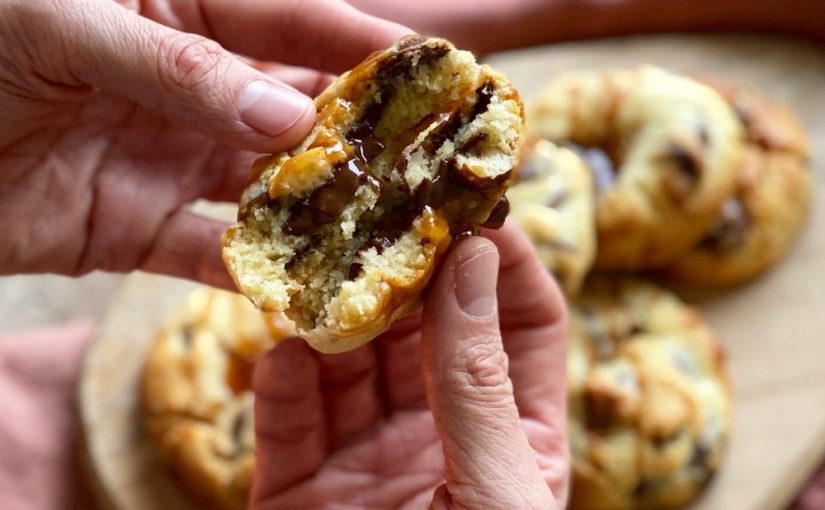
{"x": 774, "y": 328}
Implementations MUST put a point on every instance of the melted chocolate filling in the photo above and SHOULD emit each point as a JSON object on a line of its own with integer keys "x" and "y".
{"x": 328, "y": 201}
{"x": 454, "y": 194}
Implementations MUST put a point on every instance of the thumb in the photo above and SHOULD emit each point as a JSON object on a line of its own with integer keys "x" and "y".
{"x": 188, "y": 78}
{"x": 489, "y": 461}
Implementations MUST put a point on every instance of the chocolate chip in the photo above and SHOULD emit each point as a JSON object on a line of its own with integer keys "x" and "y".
{"x": 701, "y": 456}
{"x": 187, "y": 335}
{"x": 601, "y": 165}
{"x": 642, "y": 489}
{"x": 682, "y": 173}
{"x": 239, "y": 423}
{"x": 661, "y": 442}
{"x": 354, "y": 270}
{"x": 702, "y": 132}
{"x": 731, "y": 228}
{"x": 635, "y": 329}
{"x": 602, "y": 410}
{"x": 527, "y": 171}
{"x": 558, "y": 199}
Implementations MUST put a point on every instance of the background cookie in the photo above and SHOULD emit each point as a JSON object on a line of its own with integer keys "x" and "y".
{"x": 759, "y": 222}
{"x": 411, "y": 148}
{"x": 197, "y": 398}
{"x": 649, "y": 401}
{"x": 663, "y": 149}
{"x": 553, "y": 203}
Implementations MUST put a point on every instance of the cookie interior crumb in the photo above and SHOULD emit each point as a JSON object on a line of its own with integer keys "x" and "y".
{"x": 343, "y": 232}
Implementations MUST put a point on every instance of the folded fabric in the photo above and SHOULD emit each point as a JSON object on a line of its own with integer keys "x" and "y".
{"x": 38, "y": 374}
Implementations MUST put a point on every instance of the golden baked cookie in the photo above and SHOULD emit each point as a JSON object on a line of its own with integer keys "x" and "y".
{"x": 758, "y": 224}
{"x": 649, "y": 401}
{"x": 664, "y": 150}
{"x": 196, "y": 394}
{"x": 552, "y": 201}
{"x": 413, "y": 147}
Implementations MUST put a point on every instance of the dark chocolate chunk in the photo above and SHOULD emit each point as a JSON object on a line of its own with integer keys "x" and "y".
{"x": 686, "y": 163}
{"x": 354, "y": 270}
{"x": 498, "y": 214}
{"x": 602, "y": 410}
{"x": 683, "y": 173}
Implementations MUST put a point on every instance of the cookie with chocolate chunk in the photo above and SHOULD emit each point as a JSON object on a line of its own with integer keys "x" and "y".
{"x": 411, "y": 149}
{"x": 664, "y": 150}
{"x": 552, "y": 201}
{"x": 759, "y": 222}
{"x": 196, "y": 394}
{"x": 649, "y": 399}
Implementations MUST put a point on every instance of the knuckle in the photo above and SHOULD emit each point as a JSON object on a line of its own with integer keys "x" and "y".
{"x": 484, "y": 367}
{"x": 188, "y": 61}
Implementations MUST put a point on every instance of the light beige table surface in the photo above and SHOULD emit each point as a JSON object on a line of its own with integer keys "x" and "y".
{"x": 774, "y": 329}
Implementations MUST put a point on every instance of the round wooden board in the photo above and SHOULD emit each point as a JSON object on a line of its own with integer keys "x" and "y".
{"x": 121, "y": 465}
{"x": 772, "y": 328}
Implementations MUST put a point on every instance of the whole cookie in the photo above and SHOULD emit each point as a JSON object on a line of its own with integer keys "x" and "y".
{"x": 196, "y": 394}
{"x": 664, "y": 150}
{"x": 758, "y": 224}
{"x": 649, "y": 402}
{"x": 553, "y": 203}
{"x": 412, "y": 148}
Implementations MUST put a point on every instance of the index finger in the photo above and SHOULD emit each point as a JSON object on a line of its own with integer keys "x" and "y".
{"x": 533, "y": 318}
{"x": 328, "y": 35}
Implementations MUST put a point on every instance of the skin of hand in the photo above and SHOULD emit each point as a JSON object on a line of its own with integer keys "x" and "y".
{"x": 484, "y": 427}
{"x": 500, "y": 24}
{"x": 116, "y": 115}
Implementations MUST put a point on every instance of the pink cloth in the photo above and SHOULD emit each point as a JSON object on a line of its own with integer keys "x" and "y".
{"x": 39, "y": 469}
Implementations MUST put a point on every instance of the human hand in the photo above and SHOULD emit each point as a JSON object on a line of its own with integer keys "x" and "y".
{"x": 115, "y": 115}
{"x": 355, "y": 429}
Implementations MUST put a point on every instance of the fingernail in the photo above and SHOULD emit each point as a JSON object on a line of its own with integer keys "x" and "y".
{"x": 271, "y": 109}
{"x": 475, "y": 283}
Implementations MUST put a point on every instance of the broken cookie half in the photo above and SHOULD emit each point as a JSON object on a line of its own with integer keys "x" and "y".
{"x": 411, "y": 149}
